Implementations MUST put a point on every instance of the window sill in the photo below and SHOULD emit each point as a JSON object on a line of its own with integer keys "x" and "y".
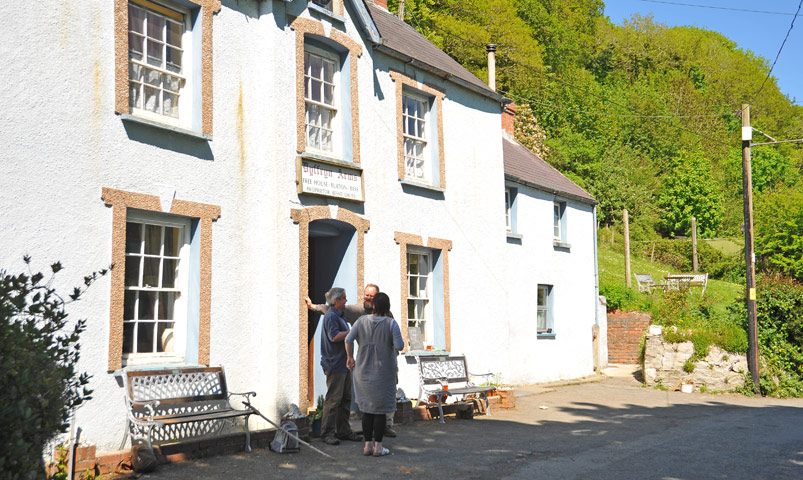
{"x": 514, "y": 236}
{"x": 127, "y": 117}
{"x": 326, "y": 13}
{"x": 561, "y": 245}
{"x": 427, "y": 353}
{"x": 546, "y": 336}
{"x": 424, "y": 186}
{"x": 330, "y": 160}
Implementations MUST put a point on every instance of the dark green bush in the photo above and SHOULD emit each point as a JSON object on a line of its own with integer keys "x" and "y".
{"x": 617, "y": 296}
{"x": 779, "y": 309}
{"x": 39, "y": 385}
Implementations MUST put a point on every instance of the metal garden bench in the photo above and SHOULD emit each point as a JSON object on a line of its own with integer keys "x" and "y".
{"x": 180, "y": 402}
{"x": 448, "y": 376}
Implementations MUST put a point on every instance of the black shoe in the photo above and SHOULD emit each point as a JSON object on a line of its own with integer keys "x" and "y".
{"x": 353, "y": 437}
{"x": 389, "y": 432}
{"x": 331, "y": 440}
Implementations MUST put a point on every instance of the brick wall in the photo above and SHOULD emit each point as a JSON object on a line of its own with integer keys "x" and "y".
{"x": 625, "y": 330}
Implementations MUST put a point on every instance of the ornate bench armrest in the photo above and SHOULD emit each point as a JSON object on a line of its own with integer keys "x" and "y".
{"x": 488, "y": 377}
{"x": 247, "y": 396}
{"x": 149, "y": 405}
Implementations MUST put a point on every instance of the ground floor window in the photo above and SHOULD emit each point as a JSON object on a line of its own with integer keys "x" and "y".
{"x": 419, "y": 308}
{"x": 161, "y": 286}
{"x": 157, "y": 263}
{"x": 544, "y": 321}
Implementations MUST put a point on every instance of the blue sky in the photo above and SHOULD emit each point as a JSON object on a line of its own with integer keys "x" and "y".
{"x": 762, "y": 33}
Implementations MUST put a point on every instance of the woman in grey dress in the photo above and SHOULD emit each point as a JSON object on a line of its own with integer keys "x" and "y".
{"x": 380, "y": 340}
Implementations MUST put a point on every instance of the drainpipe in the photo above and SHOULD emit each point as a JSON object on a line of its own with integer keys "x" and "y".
{"x": 491, "y": 49}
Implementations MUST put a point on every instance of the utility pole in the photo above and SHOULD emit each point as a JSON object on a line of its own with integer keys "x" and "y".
{"x": 749, "y": 249}
{"x": 694, "y": 243}
{"x": 626, "y": 222}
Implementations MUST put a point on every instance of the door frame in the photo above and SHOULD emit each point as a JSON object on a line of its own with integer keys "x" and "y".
{"x": 303, "y": 217}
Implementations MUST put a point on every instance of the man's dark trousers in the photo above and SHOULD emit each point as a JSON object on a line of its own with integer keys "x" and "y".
{"x": 337, "y": 405}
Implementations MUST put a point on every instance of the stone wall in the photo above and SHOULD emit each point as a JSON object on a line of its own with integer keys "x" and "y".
{"x": 663, "y": 364}
{"x": 625, "y": 330}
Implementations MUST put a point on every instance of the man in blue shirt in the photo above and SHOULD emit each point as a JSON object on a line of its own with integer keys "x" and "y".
{"x": 337, "y": 403}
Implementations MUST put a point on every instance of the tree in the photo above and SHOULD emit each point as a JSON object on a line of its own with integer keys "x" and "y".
{"x": 39, "y": 352}
{"x": 690, "y": 191}
{"x": 779, "y": 231}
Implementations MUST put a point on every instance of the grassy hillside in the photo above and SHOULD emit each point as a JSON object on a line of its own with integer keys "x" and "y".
{"x": 719, "y": 294}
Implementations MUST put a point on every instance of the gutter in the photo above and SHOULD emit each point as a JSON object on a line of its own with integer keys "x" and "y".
{"x": 552, "y": 191}
{"x": 380, "y": 47}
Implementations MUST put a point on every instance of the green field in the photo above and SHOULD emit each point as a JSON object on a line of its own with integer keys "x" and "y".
{"x": 720, "y": 294}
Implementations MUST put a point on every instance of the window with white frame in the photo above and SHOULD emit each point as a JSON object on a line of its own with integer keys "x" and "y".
{"x": 419, "y": 280}
{"x": 508, "y": 216}
{"x": 321, "y": 71}
{"x": 157, "y": 250}
{"x": 415, "y": 110}
{"x": 559, "y": 222}
{"x": 544, "y": 310}
{"x": 157, "y": 61}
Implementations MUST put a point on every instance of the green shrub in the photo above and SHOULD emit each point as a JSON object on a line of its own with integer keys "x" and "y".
{"x": 779, "y": 309}
{"x": 39, "y": 385}
{"x": 617, "y": 296}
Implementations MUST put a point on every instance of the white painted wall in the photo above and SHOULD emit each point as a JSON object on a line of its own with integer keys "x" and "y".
{"x": 62, "y": 143}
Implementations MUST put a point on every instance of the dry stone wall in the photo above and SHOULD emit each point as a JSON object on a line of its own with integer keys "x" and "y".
{"x": 663, "y": 364}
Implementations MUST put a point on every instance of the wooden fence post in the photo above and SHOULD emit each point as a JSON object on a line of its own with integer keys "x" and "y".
{"x": 626, "y": 220}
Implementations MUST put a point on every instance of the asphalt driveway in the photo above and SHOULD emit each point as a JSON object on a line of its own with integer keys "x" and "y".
{"x": 606, "y": 427}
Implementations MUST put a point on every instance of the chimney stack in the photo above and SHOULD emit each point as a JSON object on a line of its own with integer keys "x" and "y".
{"x": 509, "y": 118}
{"x": 491, "y": 49}
{"x": 381, "y": 3}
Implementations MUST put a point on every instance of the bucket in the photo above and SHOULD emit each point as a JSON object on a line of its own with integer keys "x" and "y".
{"x": 686, "y": 387}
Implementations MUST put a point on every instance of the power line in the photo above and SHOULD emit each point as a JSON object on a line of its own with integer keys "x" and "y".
{"x": 568, "y": 84}
{"x": 779, "y": 50}
{"x": 603, "y": 114}
{"x": 720, "y": 8}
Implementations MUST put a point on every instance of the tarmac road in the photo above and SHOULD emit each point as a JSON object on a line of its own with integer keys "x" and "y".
{"x": 606, "y": 427}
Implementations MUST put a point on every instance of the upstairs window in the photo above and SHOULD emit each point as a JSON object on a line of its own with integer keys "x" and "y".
{"x": 156, "y": 60}
{"x": 559, "y": 239}
{"x": 508, "y": 206}
{"x": 320, "y": 77}
{"x": 556, "y": 222}
{"x": 414, "y": 120}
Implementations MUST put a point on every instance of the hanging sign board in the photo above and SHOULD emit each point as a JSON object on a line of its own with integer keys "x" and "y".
{"x": 329, "y": 180}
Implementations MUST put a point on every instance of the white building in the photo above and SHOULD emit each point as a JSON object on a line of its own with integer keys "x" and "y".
{"x": 232, "y": 157}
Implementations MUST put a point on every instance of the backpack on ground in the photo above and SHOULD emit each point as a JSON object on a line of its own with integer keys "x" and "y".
{"x": 284, "y": 442}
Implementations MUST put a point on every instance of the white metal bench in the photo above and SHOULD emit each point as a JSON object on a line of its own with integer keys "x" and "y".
{"x": 646, "y": 283}
{"x": 180, "y": 402}
{"x": 448, "y": 376}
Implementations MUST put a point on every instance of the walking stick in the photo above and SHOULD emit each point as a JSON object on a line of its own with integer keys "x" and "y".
{"x": 248, "y": 404}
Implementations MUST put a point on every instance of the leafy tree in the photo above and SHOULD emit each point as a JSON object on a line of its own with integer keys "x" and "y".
{"x": 39, "y": 351}
{"x": 689, "y": 191}
{"x": 779, "y": 231}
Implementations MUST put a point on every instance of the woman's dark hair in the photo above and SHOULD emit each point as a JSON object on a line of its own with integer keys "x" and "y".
{"x": 381, "y": 304}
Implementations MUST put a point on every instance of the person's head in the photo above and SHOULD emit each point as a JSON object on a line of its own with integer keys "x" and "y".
{"x": 368, "y": 296}
{"x": 381, "y": 304}
{"x": 336, "y": 297}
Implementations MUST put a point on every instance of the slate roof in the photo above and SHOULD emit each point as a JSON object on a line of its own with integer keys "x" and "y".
{"x": 404, "y": 39}
{"x": 526, "y": 167}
